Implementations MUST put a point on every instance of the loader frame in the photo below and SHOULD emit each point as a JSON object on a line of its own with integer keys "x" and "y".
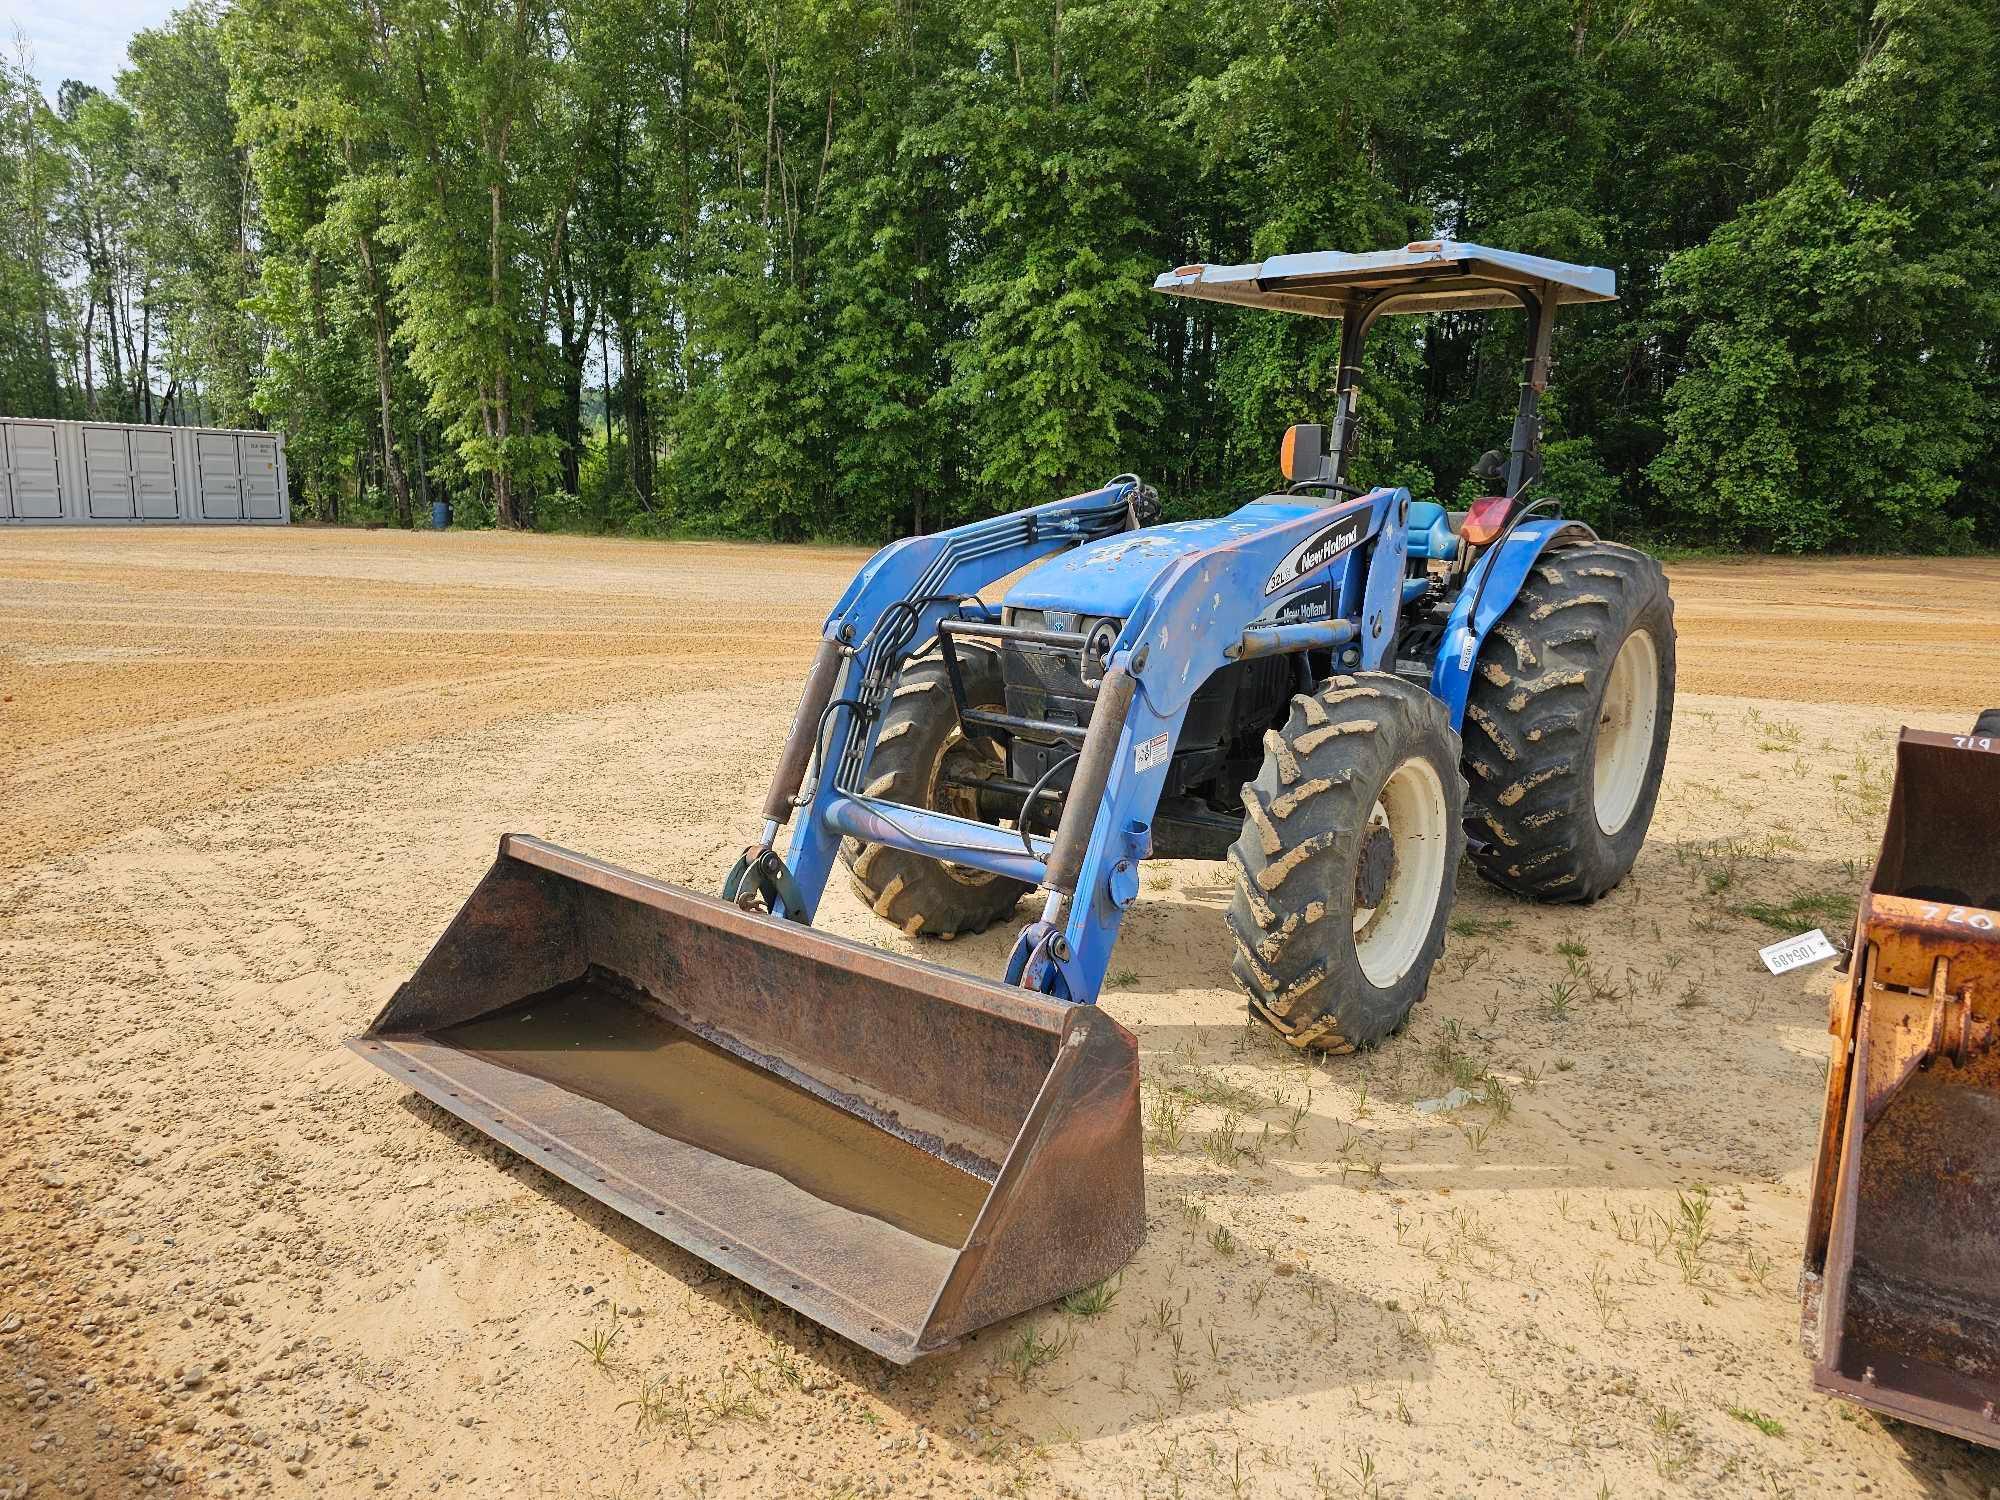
{"x": 1204, "y": 611}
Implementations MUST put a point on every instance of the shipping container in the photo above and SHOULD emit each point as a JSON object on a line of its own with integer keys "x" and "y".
{"x": 80, "y": 472}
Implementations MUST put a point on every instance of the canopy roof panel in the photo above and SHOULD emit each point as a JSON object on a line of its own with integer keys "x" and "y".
{"x": 1428, "y": 276}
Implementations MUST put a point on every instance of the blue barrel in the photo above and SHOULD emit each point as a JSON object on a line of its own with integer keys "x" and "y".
{"x": 440, "y": 514}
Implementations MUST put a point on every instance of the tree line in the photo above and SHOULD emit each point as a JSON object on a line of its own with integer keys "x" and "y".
{"x": 853, "y": 268}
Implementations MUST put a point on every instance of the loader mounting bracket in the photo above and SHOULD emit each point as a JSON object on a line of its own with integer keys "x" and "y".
{"x": 761, "y": 881}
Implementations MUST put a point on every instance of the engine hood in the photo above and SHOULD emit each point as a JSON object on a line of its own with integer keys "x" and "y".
{"x": 1108, "y": 576}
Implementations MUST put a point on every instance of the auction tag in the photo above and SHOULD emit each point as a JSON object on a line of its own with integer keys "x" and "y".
{"x": 1150, "y": 753}
{"x": 1465, "y": 651}
{"x": 1796, "y": 953}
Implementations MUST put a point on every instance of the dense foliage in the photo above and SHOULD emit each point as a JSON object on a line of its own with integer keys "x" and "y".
{"x": 844, "y": 268}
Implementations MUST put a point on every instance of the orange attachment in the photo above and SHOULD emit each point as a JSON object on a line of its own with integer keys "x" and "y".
{"x": 1901, "y": 1284}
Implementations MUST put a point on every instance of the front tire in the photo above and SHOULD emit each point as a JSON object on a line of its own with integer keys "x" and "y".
{"x": 922, "y": 740}
{"x": 1566, "y": 724}
{"x": 1352, "y": 833}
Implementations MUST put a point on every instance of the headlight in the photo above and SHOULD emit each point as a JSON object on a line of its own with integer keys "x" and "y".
{"x": 1099, "y": 635}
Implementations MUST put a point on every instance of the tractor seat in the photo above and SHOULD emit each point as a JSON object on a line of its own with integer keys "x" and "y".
{"x": 1433, "y": 534}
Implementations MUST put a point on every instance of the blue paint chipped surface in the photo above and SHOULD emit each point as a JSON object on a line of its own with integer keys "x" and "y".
{"x": 1109, "y": 576}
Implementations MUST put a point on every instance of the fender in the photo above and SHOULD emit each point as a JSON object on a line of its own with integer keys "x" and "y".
{"x": 1494, "y": 583}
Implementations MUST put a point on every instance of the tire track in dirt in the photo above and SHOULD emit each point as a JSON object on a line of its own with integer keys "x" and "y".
{"x": 101, "y": 755}
{"x": 115, "y": 675}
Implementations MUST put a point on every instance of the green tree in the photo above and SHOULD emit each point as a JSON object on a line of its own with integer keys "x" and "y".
{"x": 1846, "y": 320}
{"x": 33, "y": 262}
{"x": 196, "y": 215}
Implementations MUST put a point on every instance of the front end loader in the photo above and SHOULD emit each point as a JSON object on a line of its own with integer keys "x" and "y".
{"x": 1340, "y": 690}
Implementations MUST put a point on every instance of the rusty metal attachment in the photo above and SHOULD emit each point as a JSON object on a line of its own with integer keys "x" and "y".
{"x": 902, "y": 1153}
{"x": 1901, "y": 1283}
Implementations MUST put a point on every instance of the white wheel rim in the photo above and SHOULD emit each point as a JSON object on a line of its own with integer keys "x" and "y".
{"x": 1390, "y": 935}
{"x": 1625, "y": 731}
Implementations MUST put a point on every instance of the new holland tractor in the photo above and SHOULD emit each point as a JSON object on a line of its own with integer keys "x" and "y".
{"x": 1337, "y": 689}
{"x": 1341, "y": 690}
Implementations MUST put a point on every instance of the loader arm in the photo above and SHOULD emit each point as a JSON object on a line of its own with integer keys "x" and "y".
{"x": 891, "y": 609}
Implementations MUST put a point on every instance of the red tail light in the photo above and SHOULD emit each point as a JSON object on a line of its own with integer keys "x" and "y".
{"x": 1486, "y": 520}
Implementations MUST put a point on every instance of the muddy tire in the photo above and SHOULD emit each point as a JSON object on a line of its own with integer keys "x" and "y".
{"x": 1352, "y": 834}
{"x": 920, "y": 739}
{"x": 1566, "y": 724}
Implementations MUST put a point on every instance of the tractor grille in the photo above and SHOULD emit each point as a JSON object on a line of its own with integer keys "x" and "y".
{"x": 1045, "y": 683}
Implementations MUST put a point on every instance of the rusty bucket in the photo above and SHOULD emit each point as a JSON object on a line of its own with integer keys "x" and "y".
{"x": 900, "y": 1152}
{"x": 1901, "y": 1283}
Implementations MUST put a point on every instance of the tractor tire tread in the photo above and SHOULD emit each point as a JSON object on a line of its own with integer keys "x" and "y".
{"x": 919, "y": 895}
{"x": 1292, "y": 929}
{"x": 1531, "y": 723}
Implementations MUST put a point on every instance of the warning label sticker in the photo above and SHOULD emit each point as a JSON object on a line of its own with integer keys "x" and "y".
{"x": 1150, "y": 753}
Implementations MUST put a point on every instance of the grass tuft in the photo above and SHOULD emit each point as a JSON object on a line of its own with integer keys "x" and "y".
{"x": 1833, "y": 910}
{"x": 1091, "y": 1301}
{"x": 599, "y": 1341}
{"x": 1769, "y": 1426}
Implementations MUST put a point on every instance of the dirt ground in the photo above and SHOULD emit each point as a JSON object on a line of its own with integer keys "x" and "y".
{"x": 251, "y": 774}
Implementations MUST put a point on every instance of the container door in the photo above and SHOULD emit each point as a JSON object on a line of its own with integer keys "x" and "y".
{"x": 259, "y": 459}
{"x": 153, "y": 474}
{"x": 219, "y": 480}
{"x": 107, "y": 474}
{"x": 30, "y": 488}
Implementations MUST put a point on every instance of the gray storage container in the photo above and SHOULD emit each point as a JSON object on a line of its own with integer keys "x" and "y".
{"x": 80, "y": 472}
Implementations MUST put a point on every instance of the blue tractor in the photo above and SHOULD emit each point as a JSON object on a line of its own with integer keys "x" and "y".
{"x": 1338, "y": 689}
{"x": 1341, "y": 690}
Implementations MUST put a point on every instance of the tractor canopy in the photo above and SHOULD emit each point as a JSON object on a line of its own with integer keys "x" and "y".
{"x": 1106, "y": 578}
{"x": 1424, "y": 277}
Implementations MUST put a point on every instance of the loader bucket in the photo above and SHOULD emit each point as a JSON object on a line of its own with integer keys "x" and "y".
{"x": 1901, "y": 1283}
{"x": 902, "y": 1153}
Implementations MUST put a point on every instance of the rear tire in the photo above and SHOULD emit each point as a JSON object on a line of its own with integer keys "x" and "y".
{"x": 1352, "y": 834}
{"x": 920, "y": 738}
{"x": 1566, "y": 724}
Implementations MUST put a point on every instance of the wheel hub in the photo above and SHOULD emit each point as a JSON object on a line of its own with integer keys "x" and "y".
{"x": 1372, "y": 871}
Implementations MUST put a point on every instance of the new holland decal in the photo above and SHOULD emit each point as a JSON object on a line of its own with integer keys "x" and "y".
{"x": 1315, "y": 603}
{"x": 1316, "y": 551}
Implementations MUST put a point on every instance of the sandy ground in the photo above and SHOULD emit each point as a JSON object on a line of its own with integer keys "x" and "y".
{"x": 251, "y": 774}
